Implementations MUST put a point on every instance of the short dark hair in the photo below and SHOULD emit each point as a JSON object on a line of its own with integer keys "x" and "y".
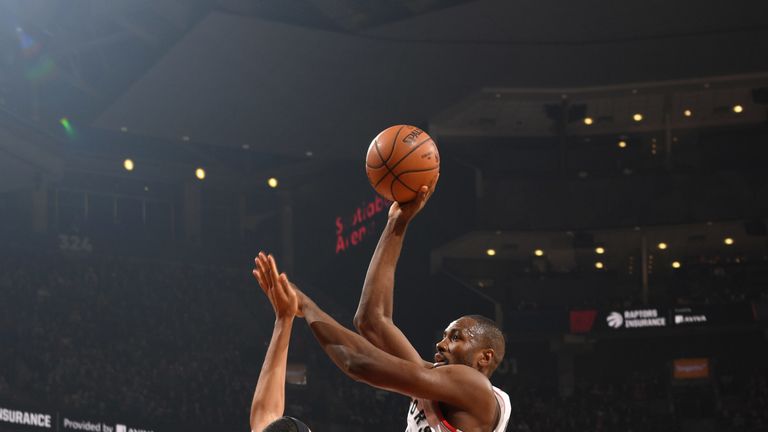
{"x": 490, "y": 337}
{"x": 286, "y": 424}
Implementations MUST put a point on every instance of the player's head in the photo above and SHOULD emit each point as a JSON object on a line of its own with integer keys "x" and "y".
{"x": 287, "y": 424}
{"x": 472, "y": 340}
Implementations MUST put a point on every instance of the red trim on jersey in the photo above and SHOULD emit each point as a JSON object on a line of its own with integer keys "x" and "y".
{"x": 448, "y": 425}
{"x": 440, "y": 415}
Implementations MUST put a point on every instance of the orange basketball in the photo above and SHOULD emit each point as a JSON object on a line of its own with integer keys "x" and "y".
{"x": 402, "y": 159}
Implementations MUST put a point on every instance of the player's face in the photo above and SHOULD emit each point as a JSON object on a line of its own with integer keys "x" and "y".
{"x": 458, "y": 345}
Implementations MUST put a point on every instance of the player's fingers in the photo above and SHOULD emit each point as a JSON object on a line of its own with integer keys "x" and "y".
{"x": 263, "y": 260}
{"x": 268, "y": 274}
{"x": 273, "y": 268}
{"x": 267, "y": 288}
{"x": 282, "y": 288}
{"x": 264, "y": 287}
{"x": 260, "y": 266}
{"x": 267, "y": 264}
{"x": 290, "y": 288}
{"x": 285, "y": 283}
{"x": 394, "y": 210}
{"x": 267, "y": 271}
{"x": 423, "y": 193}
{"x": 291, "y": 291}
{"x": 258, "y": 260}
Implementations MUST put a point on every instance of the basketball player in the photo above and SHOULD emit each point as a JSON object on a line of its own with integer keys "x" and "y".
{"x": 472, "y": 341}
{"x": 269, "y": 397}
{"x": 464, "y": 399}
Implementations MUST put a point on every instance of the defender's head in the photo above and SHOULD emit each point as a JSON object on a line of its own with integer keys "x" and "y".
{"x": 472, "y": 340}
{"x": 287, "y": 424}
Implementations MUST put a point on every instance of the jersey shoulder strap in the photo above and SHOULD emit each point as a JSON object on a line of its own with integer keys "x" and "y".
{"x": 505, "y": 406}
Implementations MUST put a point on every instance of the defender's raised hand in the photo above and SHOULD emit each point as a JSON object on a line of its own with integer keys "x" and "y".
{"x": 268, "y": 403}
{"x": 283, "y": 299}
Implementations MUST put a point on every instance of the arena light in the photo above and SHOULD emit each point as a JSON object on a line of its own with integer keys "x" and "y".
{"x": 200, "y": 174}
{"x": 490, "y": 252}
{"x": 588, "y": 121}
{"x": 622, "y": 144}
{"x": 637, "y": 117}
{"x": 599, "y": 250}
{"x": 738, "y": 109}
{"x": 728, "y": 241}
{"x": 687, "y": 113}
{"x": 599, "y": 265}
{"x": 128, "y": 164}
{"x": 538, "y": 252}
{"x": 272, "y": 182}
{"x": 676, "y": 264}
{"x": 662, "y": 246}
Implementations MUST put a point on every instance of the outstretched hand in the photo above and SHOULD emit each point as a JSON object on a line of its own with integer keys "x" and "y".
{"x": 283, "y": 298}
{"x": 404, "y": 212}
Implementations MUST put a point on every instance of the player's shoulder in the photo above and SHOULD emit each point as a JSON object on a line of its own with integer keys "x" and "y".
{"x": 464, "y": 373}
{"x": 505, "y": 406}
{"x": 501, "y": 396}
{"x": 477, "y": 395}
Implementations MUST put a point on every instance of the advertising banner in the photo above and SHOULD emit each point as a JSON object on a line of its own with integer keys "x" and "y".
{"x": 690, "y": 368}
{"x": 635, "y": 318}
{"x": 650, "y": 317}
{"x": 71, "y": 423}
{"x": 13, "y": 419}
{"x": 582, "y": 321}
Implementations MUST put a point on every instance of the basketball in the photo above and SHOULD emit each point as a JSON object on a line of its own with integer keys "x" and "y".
{"x": 400, "y": 160}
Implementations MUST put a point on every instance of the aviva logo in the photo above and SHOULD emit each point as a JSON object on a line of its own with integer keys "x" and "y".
{"x": 615, "y": 320}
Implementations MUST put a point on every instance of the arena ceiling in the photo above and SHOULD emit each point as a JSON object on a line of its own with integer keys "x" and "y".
{"x": 322, "y": 76}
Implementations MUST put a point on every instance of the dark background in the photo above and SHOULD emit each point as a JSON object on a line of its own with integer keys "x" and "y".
{"x": 126, "y": 296}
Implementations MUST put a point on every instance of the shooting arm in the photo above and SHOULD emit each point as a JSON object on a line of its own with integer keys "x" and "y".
{"x": 373, "y": 319}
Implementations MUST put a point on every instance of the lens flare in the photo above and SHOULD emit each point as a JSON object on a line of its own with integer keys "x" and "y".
{"x": 68, "y": 128}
